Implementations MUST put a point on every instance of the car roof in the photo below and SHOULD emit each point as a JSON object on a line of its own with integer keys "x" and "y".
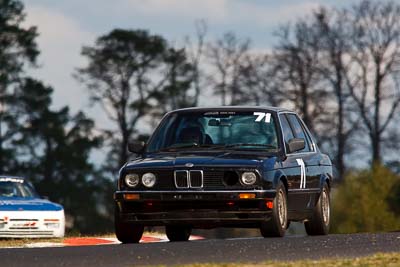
{"x": 230, "y": 108}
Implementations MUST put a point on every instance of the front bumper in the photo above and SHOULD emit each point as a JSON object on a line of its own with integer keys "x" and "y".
{"x": 201, "y": 209}
{"x": 32, "y": 224}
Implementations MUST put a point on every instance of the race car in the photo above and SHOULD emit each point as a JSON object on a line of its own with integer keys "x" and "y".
{"x": 225, "y": 167}
{"x": 23, "y": 214}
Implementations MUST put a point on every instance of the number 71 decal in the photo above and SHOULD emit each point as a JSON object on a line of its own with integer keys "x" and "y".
{"x": 302, "y": 173}
{"x": 262, "y": 115}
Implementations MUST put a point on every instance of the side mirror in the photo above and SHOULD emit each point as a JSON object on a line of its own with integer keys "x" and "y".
{"x": 296, "y": 144}
{"x": 136, "y": 147}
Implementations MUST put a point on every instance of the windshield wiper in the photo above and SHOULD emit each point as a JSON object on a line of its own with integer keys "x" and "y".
{"x": 179, "y": 146}
{"x": 249, "y": 144}
{"x": 212, "y": 146}
{"x": 191, "y": 145}
{"x": 175, "y": 147}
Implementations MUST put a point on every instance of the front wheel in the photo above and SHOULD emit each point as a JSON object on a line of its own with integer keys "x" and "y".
{"x": 127, "y": 232}
{"x": 320, "y": 222}
{"x": 278, "y": 223}
{"x": 178, "y": 232}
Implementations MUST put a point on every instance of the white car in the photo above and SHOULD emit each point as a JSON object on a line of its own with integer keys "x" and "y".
{"x": 23, "y": 214}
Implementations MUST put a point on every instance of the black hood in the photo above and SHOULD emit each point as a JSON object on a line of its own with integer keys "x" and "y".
{"x": 215, "y": 159}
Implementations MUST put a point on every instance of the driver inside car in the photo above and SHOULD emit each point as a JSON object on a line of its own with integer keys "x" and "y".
{"x": 191, "y": 135}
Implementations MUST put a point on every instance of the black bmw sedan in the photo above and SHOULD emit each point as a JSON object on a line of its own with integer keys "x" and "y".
{"x": 224, "y": 167}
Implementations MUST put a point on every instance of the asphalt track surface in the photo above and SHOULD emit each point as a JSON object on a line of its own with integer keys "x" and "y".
{"x": 205, "y": 251}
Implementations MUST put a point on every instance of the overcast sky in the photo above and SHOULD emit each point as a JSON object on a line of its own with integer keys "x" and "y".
{"x": 64, "y": 26}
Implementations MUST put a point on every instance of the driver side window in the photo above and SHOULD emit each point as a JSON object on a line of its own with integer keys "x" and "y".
{"x": 287, "y": 130}
{"x": 298, "y": 131}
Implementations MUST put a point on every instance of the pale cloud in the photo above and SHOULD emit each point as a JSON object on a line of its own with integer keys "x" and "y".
{"x": 60, "y": 41}
{"x": 207, "y": 9}
{"x": 223, "y": 11}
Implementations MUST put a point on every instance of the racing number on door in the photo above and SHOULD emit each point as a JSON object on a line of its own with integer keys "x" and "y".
{"x": 302, "y": 173}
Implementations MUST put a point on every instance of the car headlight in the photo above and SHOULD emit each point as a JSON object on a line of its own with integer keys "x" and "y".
{"x": 149, "y": 179}
{"x": 248, "y": 178}
{"x": 132, "y": 179}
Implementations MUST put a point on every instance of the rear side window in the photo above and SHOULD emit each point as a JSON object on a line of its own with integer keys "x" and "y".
{"x": 287, "y": 130}
{"x": 299, "y": 131}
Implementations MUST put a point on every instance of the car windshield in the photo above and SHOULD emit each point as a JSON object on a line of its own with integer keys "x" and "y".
{"x": 236, "y": 130}
{"x": 10, "y": 187}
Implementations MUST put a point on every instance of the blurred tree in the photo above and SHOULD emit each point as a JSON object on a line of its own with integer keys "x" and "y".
{"x": 195, "y": 53}
{"x": 17, "y": 49}
{"x": 175, "y": 92}
{"x": 340, "y": 70}
{"x": 132, "y": 74}
{"x": 257, "y": 81}
{"x": 334, "y": 67}
{"x": 295, "y": 69}
{"x": 225, "y": 57}
{"x": 375, "y": 57}
{"x": 121, "y": 76}
{"x": 54, "y": 149}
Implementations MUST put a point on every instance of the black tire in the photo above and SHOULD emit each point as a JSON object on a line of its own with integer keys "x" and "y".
{"x": 278, "y": 223}
{"x": 177, "y": 233}
{"x": 319, "y": 224}
{"x": 127, "y": 232}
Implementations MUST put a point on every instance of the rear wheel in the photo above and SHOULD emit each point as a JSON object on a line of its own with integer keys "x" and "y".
{"x": 320, "y": 222}
{"x": 178, "y": 232}
{"x": 127, "y": 232}
{"x": 278, "y": 223}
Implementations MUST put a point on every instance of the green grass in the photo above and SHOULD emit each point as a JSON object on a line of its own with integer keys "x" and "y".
{"x": 381, "y": 260}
